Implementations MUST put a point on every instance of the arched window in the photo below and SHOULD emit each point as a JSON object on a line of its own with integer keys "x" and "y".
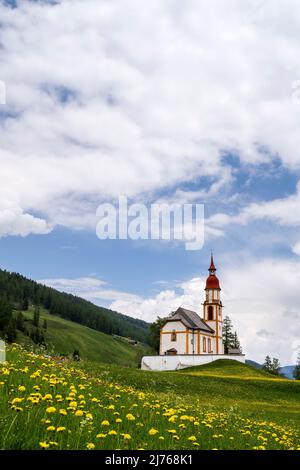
{"x": 173, "y": 336}
{"x": 209, "y": 345}
{"x": 210, "y": 313}
{"x": 204, "y": 344}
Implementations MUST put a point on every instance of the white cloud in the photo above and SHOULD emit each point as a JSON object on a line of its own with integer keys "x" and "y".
{"x": 89, "y": 288}
{"x": 155, "y": 97}
{"x": 285, "y": 211}
{"x": 14, "y": 221}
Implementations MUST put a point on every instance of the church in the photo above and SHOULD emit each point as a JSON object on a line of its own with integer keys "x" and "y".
{"x": 188, "y": 339}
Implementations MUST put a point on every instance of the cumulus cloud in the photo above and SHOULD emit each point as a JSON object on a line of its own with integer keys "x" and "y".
{"x": 98, "y": 106}
{"x": 285, "y": 211}
{"x": 89, "y": 288}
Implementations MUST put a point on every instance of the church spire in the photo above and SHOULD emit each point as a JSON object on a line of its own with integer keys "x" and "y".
{"x": 212, "y": 268}
{"x": 212, "y": 281}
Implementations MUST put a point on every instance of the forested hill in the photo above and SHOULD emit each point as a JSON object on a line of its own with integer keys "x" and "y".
{"x": 18, "y": 292}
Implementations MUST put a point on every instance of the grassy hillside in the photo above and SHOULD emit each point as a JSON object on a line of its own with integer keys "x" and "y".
{"x": 63, "y": 337}
{"x": 18, "y": 292}
{"x": 92, "y": 406}
{"x": 227, "y": 368}
{"x": 236, "y": 387}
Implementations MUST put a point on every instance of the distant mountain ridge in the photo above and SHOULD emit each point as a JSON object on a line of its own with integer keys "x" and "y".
{"x": 287, "y": 371}
{"x": 20, "y": 292}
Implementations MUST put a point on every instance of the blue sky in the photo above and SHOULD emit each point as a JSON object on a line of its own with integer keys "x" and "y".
{"x": 193, "y": 108}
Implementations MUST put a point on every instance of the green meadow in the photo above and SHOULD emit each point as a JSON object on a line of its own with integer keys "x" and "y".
{"x": 224, "y": 405}
{"x": 64, "y": 336}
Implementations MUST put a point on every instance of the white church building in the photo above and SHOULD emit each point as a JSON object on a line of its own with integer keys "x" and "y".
{"x": 188, "y": 340}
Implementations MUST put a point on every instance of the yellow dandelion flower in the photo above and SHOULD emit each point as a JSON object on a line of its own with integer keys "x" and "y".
{"x": 105, "y": 423}
{"x": 51, "y": 409}
{"x": 101, "y": 436}
{"x": 112, "y": 433}
{"x": 152, "y": 432}
{"x": 63, "y": 412}
{"x": 79, "y": 413}
{"x": 192, "y": 438}
{"x": 130, "y": 417}
{"x": 51, "y": 428}
{"x": 127, "y": 437}
{"x": 21, "y": 388}
{"x": 90, "y": 446}
{"x": 60, "y": 429}
{"x": 44, "y": 445}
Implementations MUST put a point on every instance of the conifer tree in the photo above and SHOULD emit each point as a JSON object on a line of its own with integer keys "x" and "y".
{"x": 297, "y": 368}
{"x": 36, "y": 316}
{"x": 267, "y": 366}
{"x": 228, "y": 336}
{"x": 275, "y": 368}
{"x": 236, "y": 341}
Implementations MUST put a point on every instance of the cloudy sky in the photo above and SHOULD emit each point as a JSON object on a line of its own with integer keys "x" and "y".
{"x": 192, "y": 102}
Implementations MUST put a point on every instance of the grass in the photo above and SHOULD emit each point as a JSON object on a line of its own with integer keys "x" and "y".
{"x": 86, "y": 405}
{"x": 63, "y": 337}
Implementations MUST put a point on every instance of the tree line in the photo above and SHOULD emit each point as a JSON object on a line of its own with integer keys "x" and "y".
{"x": 18, "y": 293}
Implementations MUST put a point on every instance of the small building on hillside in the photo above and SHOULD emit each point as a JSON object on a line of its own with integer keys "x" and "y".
{"x": 186, "y": 339}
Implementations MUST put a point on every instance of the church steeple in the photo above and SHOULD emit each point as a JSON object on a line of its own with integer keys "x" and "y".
{"x": 212, "y": 281}
{"x": 212, "y": 307}
{"x": 212, "y": 268}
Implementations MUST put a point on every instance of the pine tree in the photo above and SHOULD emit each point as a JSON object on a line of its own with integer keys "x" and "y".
{"x": 5, "y": 313}
{"x": 20, "y": 324}
{"x": 267, "y": 364}
{"x": 236, "y": 342}
{"x": 45, "y": 325}
{"x": 10, "y": 331}
{"x": 297, "y": 368}
{"x": 25, "y": 304}
{"x": 275, "y": 366}
{"x": 36, "y": 316}
{"x": 228, "y": 336}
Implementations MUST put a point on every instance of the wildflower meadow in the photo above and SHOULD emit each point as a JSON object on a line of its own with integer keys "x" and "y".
{"x": 45, "y": 405}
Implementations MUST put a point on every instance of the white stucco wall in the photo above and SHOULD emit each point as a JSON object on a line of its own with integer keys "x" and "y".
{"x": 166, "y": 334}
{"x": 162, "y": 363}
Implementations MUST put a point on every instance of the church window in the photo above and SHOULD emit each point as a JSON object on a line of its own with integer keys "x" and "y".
{"x": 173, "y": 336}
{"x": 204, "y": 344}
{"x": 210, "y": 313}
{"x": 209, "y": 345}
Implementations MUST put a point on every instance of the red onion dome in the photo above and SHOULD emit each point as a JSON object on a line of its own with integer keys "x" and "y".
{"x": 212, "y": 282}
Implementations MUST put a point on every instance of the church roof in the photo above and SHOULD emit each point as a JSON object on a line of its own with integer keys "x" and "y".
{"x": 212, "y": 282}
{"x": 190, "y": 319}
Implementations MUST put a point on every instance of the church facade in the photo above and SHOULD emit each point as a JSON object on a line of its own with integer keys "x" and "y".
{"x": 185, "y": 332}
{"x": 188, "y": 339}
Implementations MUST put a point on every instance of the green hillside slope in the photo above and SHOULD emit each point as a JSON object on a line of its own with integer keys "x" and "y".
{"x": 126, "y": 408}
{"x": 19, "y": 292}
{"x": 227, "y": 368}
{"x": 63, "y": 337}
{"x": 238, "y": 387}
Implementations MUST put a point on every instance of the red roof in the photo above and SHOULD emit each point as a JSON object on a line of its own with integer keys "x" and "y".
{"x": 212, "y": 281}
